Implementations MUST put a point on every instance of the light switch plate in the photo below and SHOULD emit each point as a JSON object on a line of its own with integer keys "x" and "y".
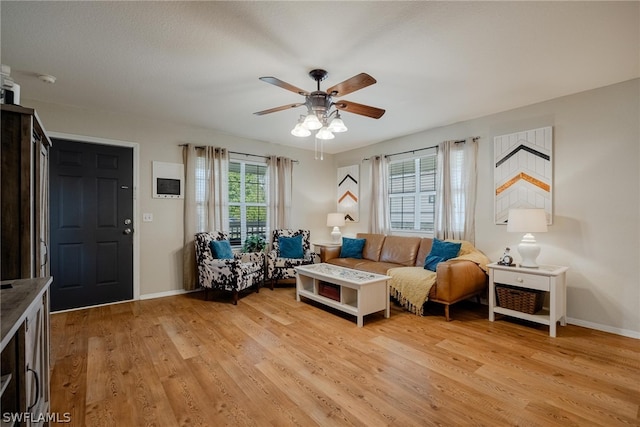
{"x": 147, "y": 217}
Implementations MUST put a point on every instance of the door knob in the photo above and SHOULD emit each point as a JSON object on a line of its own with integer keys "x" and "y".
{"x": 127, "y": 221}
{"x": 128, "y": 231}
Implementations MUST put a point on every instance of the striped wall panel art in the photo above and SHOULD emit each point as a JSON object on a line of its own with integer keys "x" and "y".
{"x": 349, "y": 192}
{"x": 523, "y": 172}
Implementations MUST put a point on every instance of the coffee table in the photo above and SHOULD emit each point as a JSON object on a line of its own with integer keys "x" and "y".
{"x": 361, "y": 293}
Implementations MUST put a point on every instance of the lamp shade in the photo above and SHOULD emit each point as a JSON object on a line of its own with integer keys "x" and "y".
{"x": 527, "y": 221}
{"x": 312, "y": 122}
{"x": 300, "y": 131}
{"x": 335, "y": 219}
{"x": 337, "y": 125}
{"x": 324, "y": 133}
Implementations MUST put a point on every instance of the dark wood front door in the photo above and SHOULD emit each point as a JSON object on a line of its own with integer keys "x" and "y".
{"x": 91, "y": 199}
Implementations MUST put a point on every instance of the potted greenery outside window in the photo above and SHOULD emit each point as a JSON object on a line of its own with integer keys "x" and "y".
{"x": 254, "y": 243}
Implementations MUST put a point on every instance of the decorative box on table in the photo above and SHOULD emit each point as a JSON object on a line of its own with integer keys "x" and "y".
{"x": 329, "y": 290}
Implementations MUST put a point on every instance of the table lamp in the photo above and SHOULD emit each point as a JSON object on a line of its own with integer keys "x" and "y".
{"x": 527, "y": 221}
{"x": 335, "y": 220}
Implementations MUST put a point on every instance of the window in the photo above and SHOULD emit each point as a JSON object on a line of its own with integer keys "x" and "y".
{"x": 412, "y": 193}
{"x": 247, "y": 200}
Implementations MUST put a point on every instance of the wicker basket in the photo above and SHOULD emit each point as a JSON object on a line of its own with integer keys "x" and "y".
{"x": 524, "y": 300}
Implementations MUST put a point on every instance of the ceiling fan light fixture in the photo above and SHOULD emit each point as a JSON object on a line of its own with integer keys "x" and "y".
{"x": 324, "y": 134}
{"x": 300, "y": 131}
{"x": 337, "y": 125}
{"x": 323, "y": 117}
{"x": 312, "y": 122}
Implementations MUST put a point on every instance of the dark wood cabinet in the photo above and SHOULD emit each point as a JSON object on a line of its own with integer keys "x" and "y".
{"x": 24, "y": 372}
{"x": 24, "y": 194}
{"x": 24, "y": 267}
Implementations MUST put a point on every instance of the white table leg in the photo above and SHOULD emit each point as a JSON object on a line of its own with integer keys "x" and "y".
{"x": 553, "y": 310}
{"x": 492, "y": 297}
{"x": 387, "y": 311}
{"x": 563, "y": 303}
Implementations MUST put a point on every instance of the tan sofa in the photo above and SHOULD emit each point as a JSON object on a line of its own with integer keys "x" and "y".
{"x": 455, "y": 280}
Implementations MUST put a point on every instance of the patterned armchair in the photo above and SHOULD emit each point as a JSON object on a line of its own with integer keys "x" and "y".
{"x": 283, "y": 268}
{"x": 233, "y": 275}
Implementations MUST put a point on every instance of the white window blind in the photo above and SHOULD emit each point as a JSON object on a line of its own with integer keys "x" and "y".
{"x": 412, "y": 192}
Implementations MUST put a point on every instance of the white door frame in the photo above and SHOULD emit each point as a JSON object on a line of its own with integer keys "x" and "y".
{"x": 136, "y": 168}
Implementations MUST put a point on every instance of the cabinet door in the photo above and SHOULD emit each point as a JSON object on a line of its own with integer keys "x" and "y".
{"x": 36, "y": 360}
{"x": 42, "y": 212}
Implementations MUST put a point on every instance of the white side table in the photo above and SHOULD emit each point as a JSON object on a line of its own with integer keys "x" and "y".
{"x": 548, "y": 278}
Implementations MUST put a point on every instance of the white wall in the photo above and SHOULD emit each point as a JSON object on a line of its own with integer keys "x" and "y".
{"x": 596, "y": 196}
{"x": 161, "y": 240}
{"x": 596, "y": 191}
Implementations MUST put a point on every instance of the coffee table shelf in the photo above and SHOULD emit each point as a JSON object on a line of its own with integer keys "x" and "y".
{"x": 361, "y": 293}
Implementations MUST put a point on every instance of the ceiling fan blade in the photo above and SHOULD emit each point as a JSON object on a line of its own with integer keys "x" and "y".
{"x": 351, "y": 85}
{"x": 363, "y": 110}
{"x": 273, "y": 110}
{"x": 284, "y": 85}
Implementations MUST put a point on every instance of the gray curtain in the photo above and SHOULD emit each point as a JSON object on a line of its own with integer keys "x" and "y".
{"x": 456, "y": 184}
{"x": 206, "y": 205}
{"x": 280, "y": 192}
{"x": 379, "y": 223}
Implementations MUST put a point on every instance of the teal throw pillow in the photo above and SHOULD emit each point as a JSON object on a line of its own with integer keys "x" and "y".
{"x": 221, "y": 249}
{"x": 440, "y": 252}
{"x": 352, "y": 248}
{"x": 291, "y": 247}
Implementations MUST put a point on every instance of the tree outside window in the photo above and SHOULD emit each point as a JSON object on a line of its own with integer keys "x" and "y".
{"x": 247, "y": 200}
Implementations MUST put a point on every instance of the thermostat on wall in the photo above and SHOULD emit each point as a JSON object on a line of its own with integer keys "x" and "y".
{"x": 168, "y": 180}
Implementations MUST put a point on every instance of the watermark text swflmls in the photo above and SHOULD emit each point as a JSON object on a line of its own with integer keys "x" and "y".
{"x": 22, "y": 417}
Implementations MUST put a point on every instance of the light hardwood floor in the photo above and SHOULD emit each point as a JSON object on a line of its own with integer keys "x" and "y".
{"x": 183, "y": 361}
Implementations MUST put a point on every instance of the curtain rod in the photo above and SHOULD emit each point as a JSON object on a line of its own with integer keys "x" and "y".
{"x": 237, "y": 152}
{"x": 422, "y": 149}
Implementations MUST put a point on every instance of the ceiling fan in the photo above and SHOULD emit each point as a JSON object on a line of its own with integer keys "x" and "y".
{"x": 321, "y": 106}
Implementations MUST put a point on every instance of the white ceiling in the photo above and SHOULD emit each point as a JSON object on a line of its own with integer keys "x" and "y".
{"x": 198, "y": 63}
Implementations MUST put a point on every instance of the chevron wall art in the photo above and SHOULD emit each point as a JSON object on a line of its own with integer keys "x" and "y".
{"x": 349, "y": 192}
{"x": 523, "y": 172}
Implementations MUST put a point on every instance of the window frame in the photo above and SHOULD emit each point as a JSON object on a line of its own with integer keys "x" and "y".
{"x": 417, "y": 192}
{"x": 243, "y": 204}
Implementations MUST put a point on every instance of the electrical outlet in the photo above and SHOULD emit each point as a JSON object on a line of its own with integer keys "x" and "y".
{"x": 147, "y": 217}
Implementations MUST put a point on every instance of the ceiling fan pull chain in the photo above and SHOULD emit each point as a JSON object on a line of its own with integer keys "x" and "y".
{"x": 315, "y": 153}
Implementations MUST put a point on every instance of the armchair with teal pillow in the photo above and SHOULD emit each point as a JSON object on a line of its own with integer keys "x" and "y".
{"x": 220, "y": 268}
{"x": 289, "y": 249}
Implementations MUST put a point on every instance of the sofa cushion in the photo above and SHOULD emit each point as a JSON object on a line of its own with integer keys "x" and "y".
{"x": 378, "y": 267}
{"x": 440, "y": 252}
{"x": 347, "y": 262}
{"x": 425, "y": 248}
{"x": 352, "y": 248}
{"x": 372, "y": 246}
{"x": 400, "y": 250}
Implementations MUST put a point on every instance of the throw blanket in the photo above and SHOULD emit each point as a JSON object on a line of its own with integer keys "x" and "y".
{"x": 410, "y": 286}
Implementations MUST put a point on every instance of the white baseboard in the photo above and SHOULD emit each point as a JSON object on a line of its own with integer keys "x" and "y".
{"x": 166, "y": 294}
{"x": 604, "y": 328}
